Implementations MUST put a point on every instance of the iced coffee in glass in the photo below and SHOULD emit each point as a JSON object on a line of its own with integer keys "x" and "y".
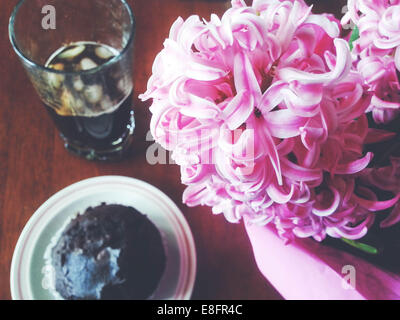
{"x": 80, "y": 63}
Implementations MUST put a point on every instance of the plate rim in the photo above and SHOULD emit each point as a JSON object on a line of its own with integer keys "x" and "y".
{"x": 180, "y": 221}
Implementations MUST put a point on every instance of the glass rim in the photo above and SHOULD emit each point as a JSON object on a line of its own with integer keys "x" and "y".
{"x": 30, "y": 62}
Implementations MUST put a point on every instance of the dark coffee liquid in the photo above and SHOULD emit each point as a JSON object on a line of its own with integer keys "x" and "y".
{"x": 101, "y": 132}
{"x": 90, "y": 118}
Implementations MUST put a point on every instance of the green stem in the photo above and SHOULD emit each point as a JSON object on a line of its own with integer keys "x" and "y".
{"x": 361, "y": 246}
{"x": 354, "y": 36}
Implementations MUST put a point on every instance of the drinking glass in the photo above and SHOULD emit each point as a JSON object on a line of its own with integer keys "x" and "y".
{"x": 90, "y": 106}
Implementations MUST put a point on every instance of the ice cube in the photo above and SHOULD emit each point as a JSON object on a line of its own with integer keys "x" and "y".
{"x": 93, "y": 93}
{"x": 78, "y": 84}
{"x": 55, "y": 80}
{"x": 124, "y": 85}
{"x": 72, "y": 53}
{"x": 103, "y": 53}
{"x": 106, "y": 103}
{"x": 80, "y": 107}
{"x": 87, "y": 64}
{"x": 67, "y": 104}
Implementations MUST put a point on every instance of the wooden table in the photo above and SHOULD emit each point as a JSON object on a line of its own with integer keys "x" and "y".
{"x": 34, "y": 164}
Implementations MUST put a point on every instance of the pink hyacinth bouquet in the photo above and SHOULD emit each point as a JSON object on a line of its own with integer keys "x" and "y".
{"x": 265, "y": 111}
{"x": 378, "y": 52}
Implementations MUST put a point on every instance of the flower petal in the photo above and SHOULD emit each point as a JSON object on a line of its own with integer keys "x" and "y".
{"x": 376, "y": 205}
{"x": 354, "y": 166}
{"x": 284, "y": 124}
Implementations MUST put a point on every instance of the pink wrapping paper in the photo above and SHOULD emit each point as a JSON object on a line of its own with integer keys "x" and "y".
{"x": 306, "y": 270}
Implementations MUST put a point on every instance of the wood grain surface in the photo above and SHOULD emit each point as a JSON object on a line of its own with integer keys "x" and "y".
{"x": 34, "y": 164}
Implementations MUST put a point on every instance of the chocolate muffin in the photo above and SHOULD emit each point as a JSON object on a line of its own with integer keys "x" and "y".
{"x": 110, "y": 252}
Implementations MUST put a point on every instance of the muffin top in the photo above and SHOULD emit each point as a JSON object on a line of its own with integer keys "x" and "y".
{"x": 110, "y": 252}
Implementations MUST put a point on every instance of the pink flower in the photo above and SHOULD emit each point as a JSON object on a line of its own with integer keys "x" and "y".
{"x": 380, "y": 73}
{"x": 386, "y": 178}
{"x": 378, "y": 52}
{"x": 265, "y": 116}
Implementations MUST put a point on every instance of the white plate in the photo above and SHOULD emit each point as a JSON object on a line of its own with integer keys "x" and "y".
{"x": 28, "y": 259}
